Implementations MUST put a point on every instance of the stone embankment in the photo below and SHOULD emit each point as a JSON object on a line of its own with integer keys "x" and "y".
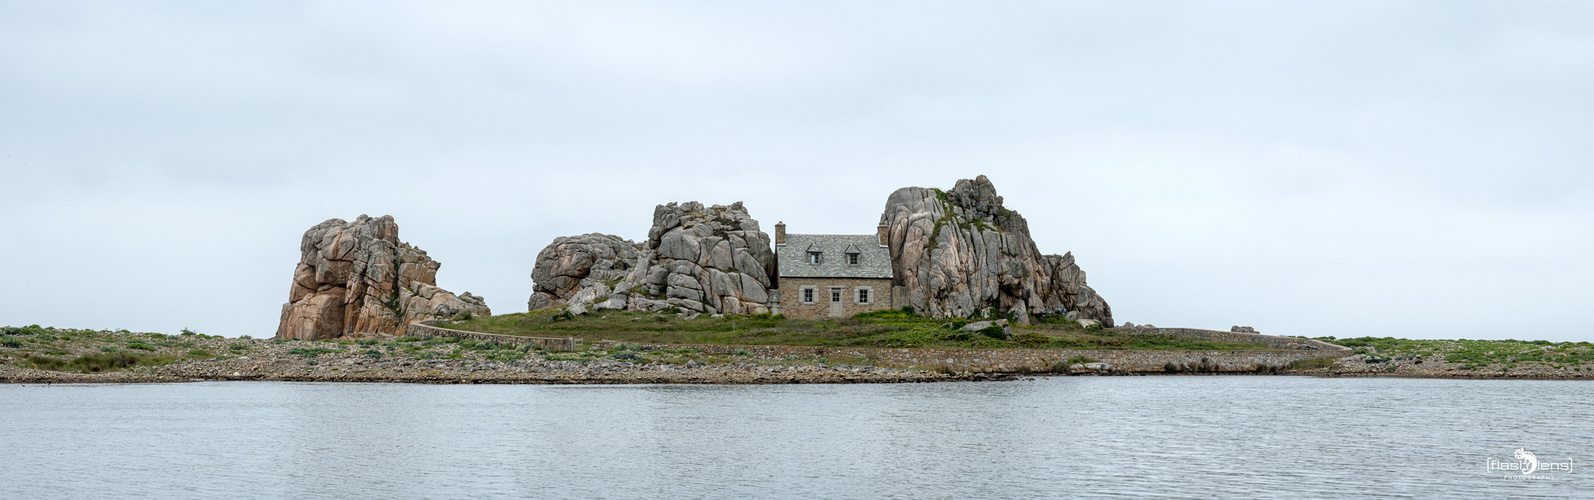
{"x": 429, "y": 328}
{"x": 1274, "y": 341}
{"x": 1025, "y": 360}
{"x": 1435, "y": 366}
{"x": 440, "y": 361}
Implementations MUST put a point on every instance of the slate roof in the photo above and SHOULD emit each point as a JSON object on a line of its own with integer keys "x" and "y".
{"x": 874, "y": 261}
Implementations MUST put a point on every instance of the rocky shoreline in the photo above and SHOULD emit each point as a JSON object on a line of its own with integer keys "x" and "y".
{"x": 434, "y": 361}
{"x": 558, "y": 372}
{"x": 58, "y": 356}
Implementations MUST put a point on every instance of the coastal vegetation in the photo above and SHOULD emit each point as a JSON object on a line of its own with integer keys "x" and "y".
{"x": 40, "y": 355}
{"x": 893, "y": 328}
{"x": 94, "y": 351}
{"x": 1473, "y": 354}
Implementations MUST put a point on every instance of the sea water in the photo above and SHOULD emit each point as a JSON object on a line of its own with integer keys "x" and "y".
{"x": 1124, "y": 437}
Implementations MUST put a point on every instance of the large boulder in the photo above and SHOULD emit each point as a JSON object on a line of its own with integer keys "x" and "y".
{"x": 696, "y": 258}
{"x": 573, "y": 263}
{"x": 960, "y": 253}
{"x": 358, "y": 278}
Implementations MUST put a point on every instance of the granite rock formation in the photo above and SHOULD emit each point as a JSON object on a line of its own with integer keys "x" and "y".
{"x": 358, "y": 278}
{"x": 697, "y": 259}
{"x": 960, "y": 253}
{"x": 583, "y": 266}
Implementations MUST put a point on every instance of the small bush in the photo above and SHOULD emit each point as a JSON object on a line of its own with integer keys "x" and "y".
{"x": 625, "y": 355}
{"x": 140, "y": 346}
{"x": 995, "y": 332}
{"x": 11, "y": 342}
{"x": 108, "y": 349}
{"x": 561, "y": 316}
{"x": 245, "y": 337}
{"x": 237, "y": 347}
{"x": 23, "y": 330}
{"x": 407, "y": 339}
{"x": 94, "y": 363}
{"x": 189, "y": 333}
{"x": 740, "y": 352}
{"x": 373, "y": 353}
{"x": 311, "y": 351}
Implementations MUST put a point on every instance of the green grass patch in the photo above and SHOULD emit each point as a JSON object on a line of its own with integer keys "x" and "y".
{"x": 891, "y": 328}
{"x": 311, "y": 352}
{"x": 1475, "y": 353}
{"x": 94, "y": 363}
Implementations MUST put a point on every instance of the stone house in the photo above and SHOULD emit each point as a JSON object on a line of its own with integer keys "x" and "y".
{"x": 832, "y": 275}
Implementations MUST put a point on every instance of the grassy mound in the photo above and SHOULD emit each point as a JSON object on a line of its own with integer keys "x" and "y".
{"x": 874, "y": 329}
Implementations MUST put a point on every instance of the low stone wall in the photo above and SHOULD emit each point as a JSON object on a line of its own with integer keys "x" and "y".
{"x": 1274, "y": 341}
{"x": 1019, "y": 360}
{"x": 429, "y": 329}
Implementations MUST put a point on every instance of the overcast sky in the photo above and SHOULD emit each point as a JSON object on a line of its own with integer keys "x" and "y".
{"x": 1409, "y": 169}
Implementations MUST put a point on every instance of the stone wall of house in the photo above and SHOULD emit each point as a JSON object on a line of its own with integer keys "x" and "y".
{"x": 1274, "y": 341}
{"x": 791, "y": 296}
{"x": 430, "y": 329}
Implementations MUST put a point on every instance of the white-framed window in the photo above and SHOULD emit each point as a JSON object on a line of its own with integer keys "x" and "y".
{"x": 808, "y": 294}
{"x": 852, "y": 259}
{"x": 863, "y": 294}
{"x": 813, "y": 257}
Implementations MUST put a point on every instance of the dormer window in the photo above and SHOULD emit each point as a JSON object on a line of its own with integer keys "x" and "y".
{"x": 813, "y": 257}
{"x": 853, "y": 254}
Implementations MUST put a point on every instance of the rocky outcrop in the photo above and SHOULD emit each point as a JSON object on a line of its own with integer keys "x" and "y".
{"x": 589, "y": 265}
{"x": 357, "y": 277}
{"x": 696, "y": 259}
{"x": 960, "y": 253}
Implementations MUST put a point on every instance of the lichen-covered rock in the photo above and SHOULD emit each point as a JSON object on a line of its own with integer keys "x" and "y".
{"x": 357, "y": 277}
{"x": 696, "y": 258}
{"x": 961, "y": 253}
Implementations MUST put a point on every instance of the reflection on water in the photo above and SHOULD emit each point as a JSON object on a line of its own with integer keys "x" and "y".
{"x": 1129, "y": 437}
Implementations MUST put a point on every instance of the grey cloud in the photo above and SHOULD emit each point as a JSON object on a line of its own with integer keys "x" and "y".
{"x": 1380, "y": 168}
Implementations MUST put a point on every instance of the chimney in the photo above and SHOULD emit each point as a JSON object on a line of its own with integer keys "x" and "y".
{"x": 780, "y": 233}
{"x": 885, "y": 234}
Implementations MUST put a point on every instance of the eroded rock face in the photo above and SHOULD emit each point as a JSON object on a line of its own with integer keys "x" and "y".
{"x": 961, "y": 253}
{"x": 697, "y": 259}
{"x": 357, "y": 277}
